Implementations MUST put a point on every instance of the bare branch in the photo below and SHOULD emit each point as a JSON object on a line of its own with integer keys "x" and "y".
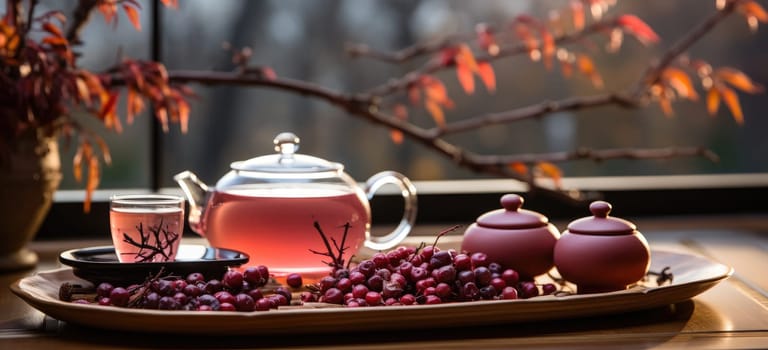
{"x": 81, "y": 16}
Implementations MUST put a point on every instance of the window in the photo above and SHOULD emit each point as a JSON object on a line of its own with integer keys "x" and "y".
{"x": 306, "y": 40}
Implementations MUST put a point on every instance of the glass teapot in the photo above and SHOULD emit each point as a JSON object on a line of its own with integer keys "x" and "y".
{"x": 272, "y": 207}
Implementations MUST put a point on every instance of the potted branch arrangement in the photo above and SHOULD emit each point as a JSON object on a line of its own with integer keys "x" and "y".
{"x": 42, "y": 84}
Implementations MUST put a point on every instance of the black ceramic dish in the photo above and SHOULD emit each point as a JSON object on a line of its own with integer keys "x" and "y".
{"x": 100, "y": 264}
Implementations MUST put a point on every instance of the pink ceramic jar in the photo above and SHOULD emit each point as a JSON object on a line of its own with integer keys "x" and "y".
{"x": 516, "y": 238}
{"x": 601, "y": 253}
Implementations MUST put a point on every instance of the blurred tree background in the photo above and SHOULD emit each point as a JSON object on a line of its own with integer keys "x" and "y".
{"x": 306, "y": 40}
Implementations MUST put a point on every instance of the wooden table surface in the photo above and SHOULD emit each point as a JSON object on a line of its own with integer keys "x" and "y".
{"x": 732, "y": 315}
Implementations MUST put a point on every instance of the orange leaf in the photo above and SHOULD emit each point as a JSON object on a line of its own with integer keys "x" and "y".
{"x": 754, "y": 13}
{"x": 77, "y": 164}
{"x": 104, "y": 150}
{"x": 162, "y": 115}
{"x": 108, "y": 10}
{"x": 108, "y": 106}
{"x": 547, "y": 47}
{"x": 485, "y": 70}
{"x": 579, "y": 17}
{"x": 401, "y": 113}
{"x": 587, "y": 67}
{"x": 183, "y": 114}
{"x": 92, "y": 183}
{"x": 732, "y": 101}
{"x": 435, "y": 111}
{"x": 53, "y": 29}
{"x": 466, "y": 78}
{"x": 519, "y": 168}
{"x": 135, "y": 104}
{"x": 738, "y": 80}
{"x": 713, "y": 101}
{"x": 635, "y": 26}
{"x": 435, "y": 91}
{"x": 552, "y": 171}
{"x": 465, "y": 56}
{"x": 396, "y": 136}
{"x": 82, "y": 91}
{"x": 679, "y": 80}
{"x": 171, "y": 3}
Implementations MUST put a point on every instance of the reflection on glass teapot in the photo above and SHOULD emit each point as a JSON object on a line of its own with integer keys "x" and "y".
{"x": 267, "y": 207}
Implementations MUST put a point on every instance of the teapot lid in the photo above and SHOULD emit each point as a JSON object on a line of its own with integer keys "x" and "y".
{"x": 286, "y": 160}
{"x": 512, "y": 217}
{"x": 601, "y": 223}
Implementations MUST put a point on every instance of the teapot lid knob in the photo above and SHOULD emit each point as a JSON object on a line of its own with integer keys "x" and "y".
{"x": 286, "y": 143}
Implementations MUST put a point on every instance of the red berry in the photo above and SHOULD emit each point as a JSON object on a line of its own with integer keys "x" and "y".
{"x": 294, "y": 280}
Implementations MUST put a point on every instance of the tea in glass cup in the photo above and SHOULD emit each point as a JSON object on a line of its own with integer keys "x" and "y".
{"x": 146, "y": 228}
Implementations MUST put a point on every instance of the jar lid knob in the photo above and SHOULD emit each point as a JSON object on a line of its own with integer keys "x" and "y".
{"x": 512, "y": 202}
{"x": 600, "y": 209}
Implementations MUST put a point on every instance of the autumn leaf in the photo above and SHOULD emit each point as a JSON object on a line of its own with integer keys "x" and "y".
{"x": 183, "y": 111}
{"x": 519, "y": 168}
{"x": 401, "y": 113}
{"x": 638, "y": 28}
{"x": 552, "y": 171}
{"x": 487, "y": 75}
{"x": 713, "y": 100}
{"x": 486, "y": 39}
{"x": 171, "y": 3}
{"x": 587, "y": 67}
{"x": 435, "y": 90}
{"x": 133, "y": 16}
{"x": 547, "y": 48}
{"x": 466, "y": 78}
{"x": 135, "y": 105}
{"x": 578, "y": 15}
{"x": 435, "y": 111}
{"x": 465, "y": 56}
{"x": 53, "y": 29}
{"x": 566, "y": 62}
{"x": 55, "y": 41}
{"x": 108, "y": 9}
{"x": 738, "y": 80}
{"x": 732, "y": 101}
{"x": 680, "y": 82}
{"x": 754, "y": 13}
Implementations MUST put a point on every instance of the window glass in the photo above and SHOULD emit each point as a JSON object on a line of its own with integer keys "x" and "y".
{"x": 306, "y": 40}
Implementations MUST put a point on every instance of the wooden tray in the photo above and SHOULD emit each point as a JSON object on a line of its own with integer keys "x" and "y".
{"x": 692, "y": 276}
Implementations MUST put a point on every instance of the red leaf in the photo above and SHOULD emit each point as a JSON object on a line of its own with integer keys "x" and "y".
{"x": 108, "y": 10}
{"x": 133, "y": 16}
{"x": 53, "y": 29}
{"x": 466, "y": 78}
{"x": 485, "y": 70}
{"x": 55, "y": 41}
{"x": 436, "y": 91}
{"x": 486, "y": 39}
{"x": 635, "y": 26}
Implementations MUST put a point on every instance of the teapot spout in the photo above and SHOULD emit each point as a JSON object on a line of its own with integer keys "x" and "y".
{"x": 197, "y": 193}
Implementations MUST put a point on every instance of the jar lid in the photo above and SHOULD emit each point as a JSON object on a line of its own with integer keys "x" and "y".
{"x": 286, "y": 160}
{"x": 601, "y": 223}
{"x": 512, "y": 217}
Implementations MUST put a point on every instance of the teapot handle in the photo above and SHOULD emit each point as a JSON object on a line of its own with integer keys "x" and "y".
{"x": 409, "y": 213}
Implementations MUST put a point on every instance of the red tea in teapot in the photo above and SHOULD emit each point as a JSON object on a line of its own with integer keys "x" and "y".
{"x": 277, "y": 229}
